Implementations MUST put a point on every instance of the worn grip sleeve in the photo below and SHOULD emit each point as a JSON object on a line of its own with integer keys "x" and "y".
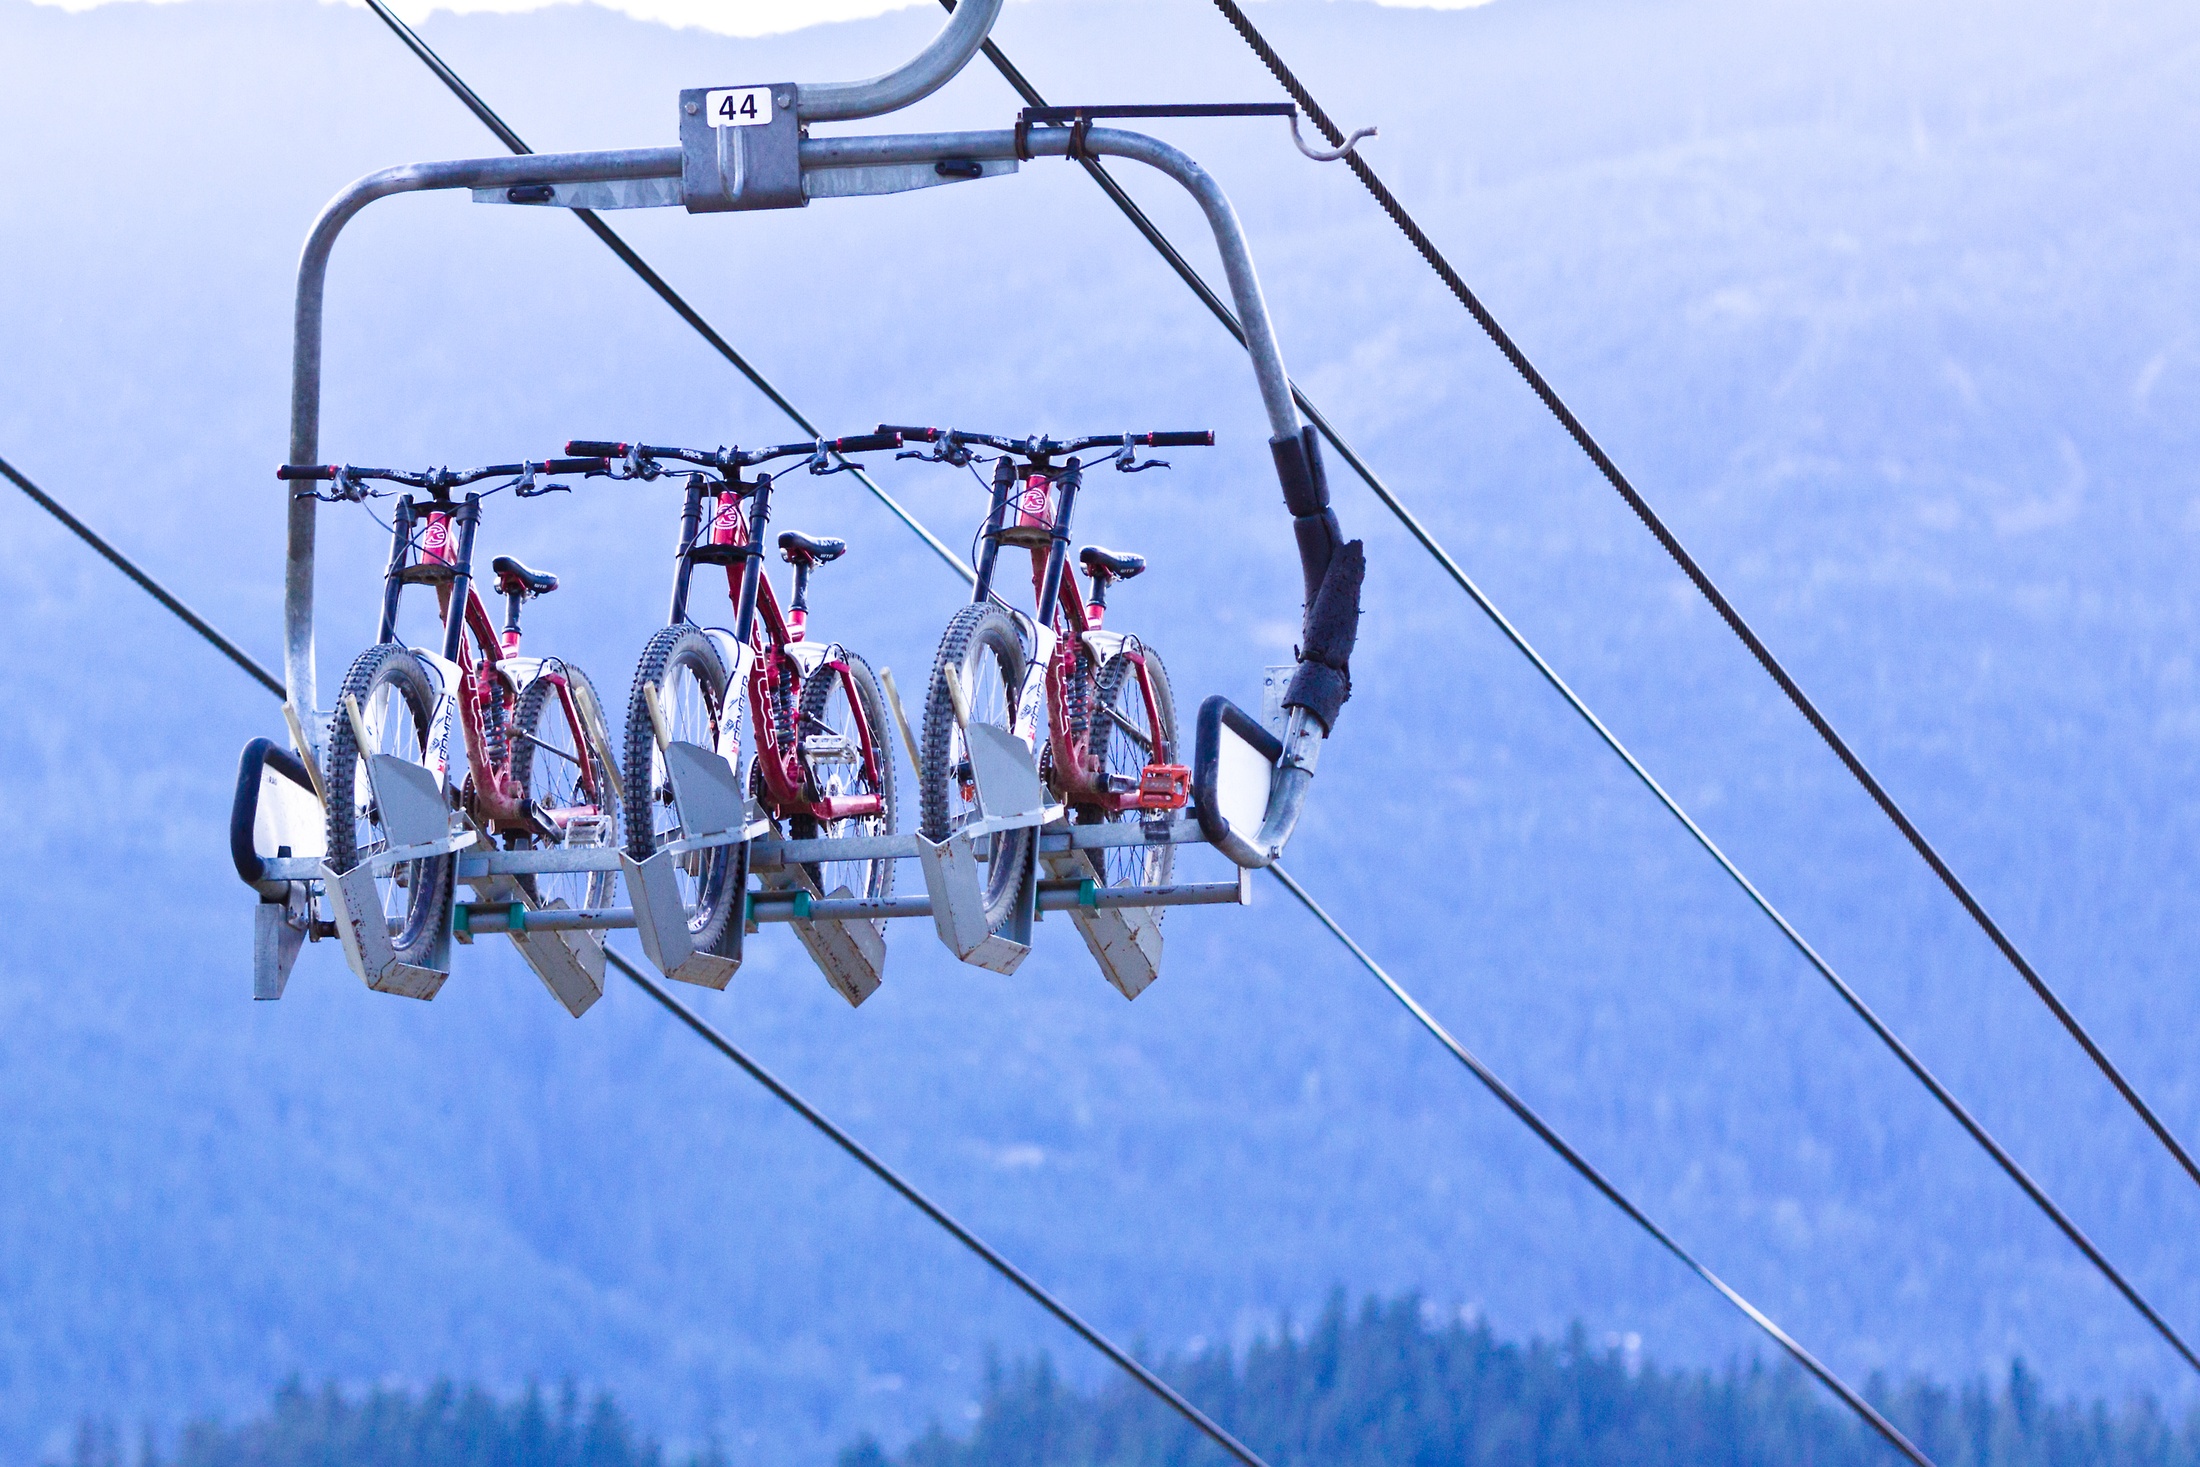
{"x": 597, "y": 447}
{"x": 1324, "y": 678}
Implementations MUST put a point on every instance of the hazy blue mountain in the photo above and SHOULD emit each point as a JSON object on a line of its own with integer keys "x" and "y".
{"x": 1889, "y": 307}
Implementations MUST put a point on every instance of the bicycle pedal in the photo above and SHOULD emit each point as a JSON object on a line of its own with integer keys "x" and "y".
{"x": 586, "y": 831}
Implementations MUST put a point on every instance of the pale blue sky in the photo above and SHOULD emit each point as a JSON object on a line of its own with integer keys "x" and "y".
{"x": 731, "y": 17}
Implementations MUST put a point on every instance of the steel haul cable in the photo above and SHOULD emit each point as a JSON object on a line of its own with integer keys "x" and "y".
{"x": 1709, "y": 589}
{"x": 1428, "y": 541}
{"x": 145, "y": 582}
{"x": 1018, "y": 1277}
{"x": 1850, "y": 996}
{"x": 1161, "y": 1388}
{"x": 1520, "y": 1108}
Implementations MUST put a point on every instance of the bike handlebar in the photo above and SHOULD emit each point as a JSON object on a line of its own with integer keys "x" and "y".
{"x": 727, "y": 458}
{"x": 446, "y": 478}
{"x": 1037, "y": 447}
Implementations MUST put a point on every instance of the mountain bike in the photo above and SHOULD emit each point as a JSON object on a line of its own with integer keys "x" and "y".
{"x": 1109, "y": 750}
{"x": 537, "y": 766}
{"x": 821, "y": 765}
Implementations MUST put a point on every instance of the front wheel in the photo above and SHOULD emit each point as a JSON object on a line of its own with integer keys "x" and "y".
{"x": 396, "y": 704}
{"x": 843, "y": 738}
{"x": 576, "y": 800}
{"x": 1133, "y": 725}
{"x": 681, "y": 665}
{"x": 986, "y": 656}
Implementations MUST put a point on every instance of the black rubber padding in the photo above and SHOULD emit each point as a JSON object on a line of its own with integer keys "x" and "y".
{"x": 597, "y": 446}
{"x": 1204, "y": 438}
{"x": 576, "y": 465}
{"x": 1299, "y": 470}
{"x": 259, "y": 754}
{"x": 306, "y": 471}
{"x": 866, "y": 442}
{"x": 1216, "y": 714}
{"x": 1324, "y": 679}
{"x": 1319, "y": 540}
{"x": 918, "y": 435}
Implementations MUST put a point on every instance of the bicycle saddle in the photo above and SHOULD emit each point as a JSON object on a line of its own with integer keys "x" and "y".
{"x": 801, "y": 549}
{"x": 1118, "y": 564}
{"x": 512, "y": 576}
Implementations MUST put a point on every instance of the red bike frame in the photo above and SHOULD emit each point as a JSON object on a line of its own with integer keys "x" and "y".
{"x": 487, "y": 695}
{"x": 776, "y": 677}
{"x": 1041, "y": 502}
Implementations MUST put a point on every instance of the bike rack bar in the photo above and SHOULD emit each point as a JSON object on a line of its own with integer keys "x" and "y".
{"x": 482, "y": 918}
{"x": 765, "y": 854}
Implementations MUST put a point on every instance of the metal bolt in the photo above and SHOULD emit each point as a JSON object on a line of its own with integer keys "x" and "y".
{"x": 693, "y": 108}
{"x": 786, "y": 99}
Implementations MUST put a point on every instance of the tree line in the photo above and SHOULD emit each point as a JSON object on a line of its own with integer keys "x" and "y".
{"x": 1386, "y": 1385}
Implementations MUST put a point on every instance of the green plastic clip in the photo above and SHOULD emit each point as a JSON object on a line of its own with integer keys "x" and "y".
{"x": 1088, "y": 894}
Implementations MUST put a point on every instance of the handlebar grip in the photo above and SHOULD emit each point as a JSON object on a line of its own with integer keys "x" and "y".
{"x": 1204, "y": 438}
{"x": 916, "y": 435}
{"x": 597, "y": 447}
{"x": 576, "y": 465}
{"x": 867, "y": 442}
{"x": 306, "y": 471}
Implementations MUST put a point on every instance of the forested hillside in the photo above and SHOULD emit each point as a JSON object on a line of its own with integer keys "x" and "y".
{"x": 1892, "y": 307}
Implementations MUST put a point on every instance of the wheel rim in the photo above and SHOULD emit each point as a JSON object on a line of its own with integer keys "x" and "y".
{"x": 1126, "y": 714}
{"x": 986, "y": 693}
{"x": 832, "y": 751}
{"x": 392, "y": 728}
{"x": 691, "y": 716}
{"x": 588, "y": 817}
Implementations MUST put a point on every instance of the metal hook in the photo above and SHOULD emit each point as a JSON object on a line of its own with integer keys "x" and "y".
{"x": 1333, "y": 154}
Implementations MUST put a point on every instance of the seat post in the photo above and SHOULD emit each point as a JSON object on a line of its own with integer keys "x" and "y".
{"x": 798, "y": 610}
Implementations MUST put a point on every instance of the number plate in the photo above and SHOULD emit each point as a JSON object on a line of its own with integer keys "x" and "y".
{"x": 739, "y": 107}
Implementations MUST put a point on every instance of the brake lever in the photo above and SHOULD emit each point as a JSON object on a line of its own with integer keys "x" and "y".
{"x": 524, "y": 488}
{"x": 1126, "y": 461}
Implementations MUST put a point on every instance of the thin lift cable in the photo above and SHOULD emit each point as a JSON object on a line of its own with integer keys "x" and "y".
{"x": 1062, "y": 1312}
{"x": 977, "y": 1245}
{"x": 145, "y": 582}
{"x": 1527, "y": 1116}
{"x": 618, "y": 246}
{"x": 1849, "y": 995}
{"x": 1696, "y": 574}
{"x": 1428, "y": 541}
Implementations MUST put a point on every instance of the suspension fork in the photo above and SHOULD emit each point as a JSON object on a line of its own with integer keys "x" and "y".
{"x": 1036, "y": 673}
{"x": 462, "y": 578}
{"x": 691, "y": 525}
{"x": 752, "y": 565}
{"x": 393, "y": 579}
{"x": 1004, "y": 482}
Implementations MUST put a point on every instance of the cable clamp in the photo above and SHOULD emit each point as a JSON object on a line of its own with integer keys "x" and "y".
{"x": 1328, "y": 155}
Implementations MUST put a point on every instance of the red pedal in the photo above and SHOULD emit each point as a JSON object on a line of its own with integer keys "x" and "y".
{"x": 1164, "y": 787}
